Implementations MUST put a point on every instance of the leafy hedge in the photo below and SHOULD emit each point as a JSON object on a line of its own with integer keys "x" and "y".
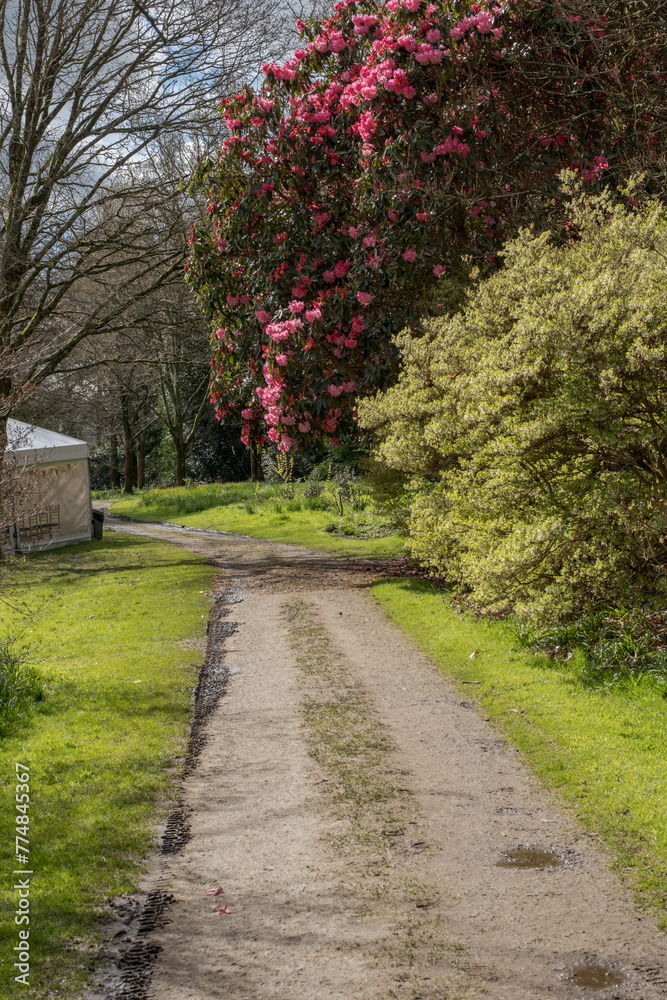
{"x": 535, "y": 423}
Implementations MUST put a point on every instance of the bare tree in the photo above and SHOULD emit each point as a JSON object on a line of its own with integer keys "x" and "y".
{"x": 90, "y": 92}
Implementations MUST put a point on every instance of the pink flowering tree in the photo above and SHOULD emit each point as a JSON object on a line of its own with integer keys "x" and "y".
{"x": 399, "y": 140}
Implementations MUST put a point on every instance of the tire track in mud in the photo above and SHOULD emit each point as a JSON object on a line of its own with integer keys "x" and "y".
{"x": 129, "y": 956}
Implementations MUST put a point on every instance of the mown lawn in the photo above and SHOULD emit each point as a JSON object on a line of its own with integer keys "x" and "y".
{"x": 262, "y": 512}
{"x": 113, "y": 640}
{"x": 603, "y": 748}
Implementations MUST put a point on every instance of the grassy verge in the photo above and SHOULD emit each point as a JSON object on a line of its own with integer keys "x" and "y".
{"x": 114, "y": 642}
{"x": 260, "y": 511}
{"x": 603, "y": 748}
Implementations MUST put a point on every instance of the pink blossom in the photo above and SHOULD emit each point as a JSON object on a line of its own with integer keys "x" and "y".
{"x": 273, "y": 434}
{"x": 328, "y": 276}
{"x": 334, "y": 390}
{"x": 321, "y": 219}
{"x": 363, "y": 23}
{"x": 364, "y": 298}
{"x": 422, "y": 216}
{"x": 337, "y": 43}
{"x": 393, "y": 215}
{"x": 281, "y": 359}
{"x": 408, "y": 43}
{"x": 263, "y": 316}
{"x": 433, "y": 35}
{"x": 410, "y": 256}
{"x": 431, "y": 99}
{"x": 453, "y": 144}
{"x": 369, "y": 241}
{"x": 354, "y": 231}
{"x": 277, "y": 331}
{"x": 498, "y": 33}
{"x": 411, "y": 5}
{"x": 296, "y": 306}
{"x": 484, "y": 22}
{"x": 366, "y": 125}
{"x": 439, "y": 269}
{"x": 220, "y": 332}
{"x": 428, "y": 157}
{"x": 304, "y": 427}
{"x": 313, "y": 314}
{"x": 347, "y": 386}
{"x": 247, "y": 414}
{"x": 341, "y": 268}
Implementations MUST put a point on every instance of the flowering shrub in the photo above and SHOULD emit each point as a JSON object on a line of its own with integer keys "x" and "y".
{"x": 401, "y": 138}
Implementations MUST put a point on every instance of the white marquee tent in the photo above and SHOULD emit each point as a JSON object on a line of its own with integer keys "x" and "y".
{"x": 49, "y": 489}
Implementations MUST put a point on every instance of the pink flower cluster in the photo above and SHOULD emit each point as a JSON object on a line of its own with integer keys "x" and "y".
{"x": 483, "y": 22}
{"x": 363, "y": 23}
{"x": 339, "y": 271}
{"x": 281, "y": 331}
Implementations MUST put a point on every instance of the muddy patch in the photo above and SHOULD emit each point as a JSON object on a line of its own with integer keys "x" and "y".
{"x": 596, "y": 977}
{"x": 530, "y": 857}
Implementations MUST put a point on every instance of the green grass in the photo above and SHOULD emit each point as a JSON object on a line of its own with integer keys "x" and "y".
{"x": 109, "y": 642}
{"x": 261, "y": 512}
{"x": 603, "y": 748}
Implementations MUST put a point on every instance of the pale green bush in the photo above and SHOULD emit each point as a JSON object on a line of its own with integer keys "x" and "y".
{"x": 534, "y": 423}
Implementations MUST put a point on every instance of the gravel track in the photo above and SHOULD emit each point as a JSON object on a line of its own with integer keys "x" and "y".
{"x": 360, "y": 858}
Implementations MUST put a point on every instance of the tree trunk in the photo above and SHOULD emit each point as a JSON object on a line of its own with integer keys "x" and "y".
{"x": 128, "y": 443}
{"x": 256, "y": 470}
{"x": 141, "y": 460}
{"x": 4, "y": 519}
{"x": 113, "y": 458}
{"x": 179, "y": 448}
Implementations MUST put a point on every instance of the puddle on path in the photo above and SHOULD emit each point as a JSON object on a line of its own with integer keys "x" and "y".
{"x": 596, "y": 977}
{"x": 529, "y": 857}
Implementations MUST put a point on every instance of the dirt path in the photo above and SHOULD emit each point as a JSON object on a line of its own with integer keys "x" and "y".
{"x": 355, "y": 809}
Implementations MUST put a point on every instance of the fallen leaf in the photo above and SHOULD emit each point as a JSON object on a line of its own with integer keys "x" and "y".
{"x": 218, "y": 891}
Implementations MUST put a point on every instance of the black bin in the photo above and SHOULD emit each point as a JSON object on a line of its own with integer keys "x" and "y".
{"x": 98, "y": 523}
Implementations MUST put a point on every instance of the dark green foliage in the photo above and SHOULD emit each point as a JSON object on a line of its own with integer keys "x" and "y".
{"x": 615, "y": 644}
{"x": 389, "y": 490}
{"x": 20, "y": 684}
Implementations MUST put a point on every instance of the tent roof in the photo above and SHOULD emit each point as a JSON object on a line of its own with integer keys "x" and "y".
{"x": 36, "y": 444}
